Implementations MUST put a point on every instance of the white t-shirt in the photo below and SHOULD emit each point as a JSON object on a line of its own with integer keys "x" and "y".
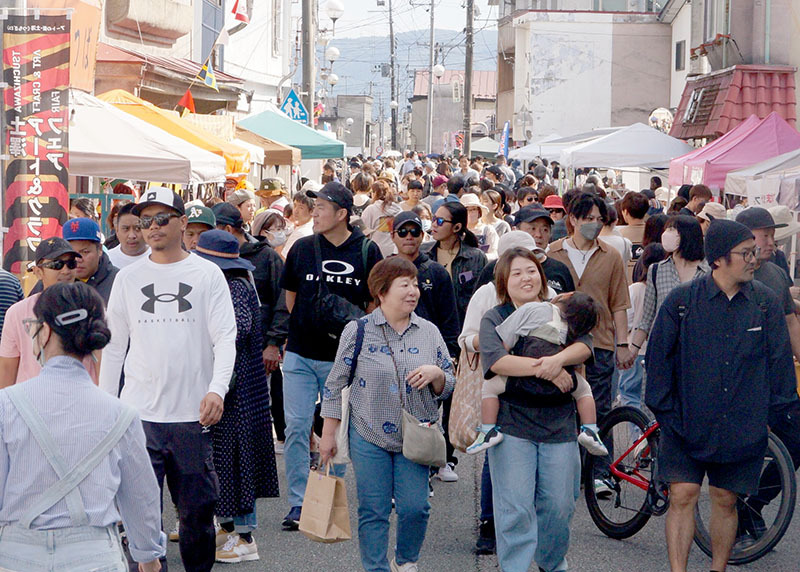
{"x": 182, "y": 330}
{"x": 621, "y": 244}
{"x": 578, "y": 258}
{"x": 299, "y": 232}
{"x": 121, "y": 260}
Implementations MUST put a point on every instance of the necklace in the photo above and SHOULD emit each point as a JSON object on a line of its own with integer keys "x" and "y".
{"x": 584, "y": 253}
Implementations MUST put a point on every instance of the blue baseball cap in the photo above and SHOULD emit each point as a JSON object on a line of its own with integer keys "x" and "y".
{"x": 222, "y": 248}
{"x": 81, "y": 229}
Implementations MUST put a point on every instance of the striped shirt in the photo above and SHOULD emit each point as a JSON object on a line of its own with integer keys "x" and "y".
{"x": 375, "y": 406}
{"x": 79, "y": 415}
{"x": 10, "y": 293}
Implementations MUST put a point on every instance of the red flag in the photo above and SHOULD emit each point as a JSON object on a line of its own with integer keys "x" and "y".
{"x": 240, "y": 11}
{"x": 187, "y": 101}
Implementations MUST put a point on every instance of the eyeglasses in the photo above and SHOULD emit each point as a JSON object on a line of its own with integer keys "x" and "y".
{"x": 439, "y": 221}
{"x": 32, "y": 326}
{"x": 555, "y": 211}
{"x": 748, "y": 255}
{"x": 161, "y": 219}
{"x": 59, "y": 264}
{"x": 414, "y": 231}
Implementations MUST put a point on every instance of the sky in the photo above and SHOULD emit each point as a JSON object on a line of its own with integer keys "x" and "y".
{"x": 366, "y": 18}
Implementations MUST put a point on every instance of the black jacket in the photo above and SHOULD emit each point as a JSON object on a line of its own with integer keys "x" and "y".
{"x": 467, "y": 266}
{"x": 267, "y": 275}
{"x": 437, "y": 301}
{"x": 102, "y": 280}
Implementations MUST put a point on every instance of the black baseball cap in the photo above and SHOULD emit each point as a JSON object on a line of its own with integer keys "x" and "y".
{"x": 336, "y": 193}
{"x": 530, "y": 214}
{"x": 157, "y": 195}
{"x": 495, "y": 170}
{"x": 52, "y": 248}
{"x": 404, "y": 217}
{"x": 757, "y": 217}
{"x": 226, "y": 213}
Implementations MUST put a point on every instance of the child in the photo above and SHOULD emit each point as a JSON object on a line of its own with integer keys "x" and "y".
{"x": 567, "y": 318}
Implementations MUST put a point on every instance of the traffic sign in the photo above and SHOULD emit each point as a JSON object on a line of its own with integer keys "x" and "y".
{"x": 379, "y": 151}
{"x": 294, "y": 108}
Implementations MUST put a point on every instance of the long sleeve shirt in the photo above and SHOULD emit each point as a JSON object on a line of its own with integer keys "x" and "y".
{"x": 375, "y": 402}
{"x": 78, "y": 415}
{"x": 180, "y": 323}
{"x": 656, "y": 290}
{"x": 437, "y": 300}
{"x": 717, "y": 367}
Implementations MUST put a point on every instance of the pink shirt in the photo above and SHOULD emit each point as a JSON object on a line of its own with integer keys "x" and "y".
{"x": 16, "y": 343}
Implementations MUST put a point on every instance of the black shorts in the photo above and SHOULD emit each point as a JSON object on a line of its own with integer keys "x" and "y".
{"x": 676, "y": 466}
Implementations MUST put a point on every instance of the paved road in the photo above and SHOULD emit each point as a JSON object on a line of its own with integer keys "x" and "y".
{"x": 451, "y": 536}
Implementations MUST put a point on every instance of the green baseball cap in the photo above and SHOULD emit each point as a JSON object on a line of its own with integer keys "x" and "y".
{"x": 201, "y": 215}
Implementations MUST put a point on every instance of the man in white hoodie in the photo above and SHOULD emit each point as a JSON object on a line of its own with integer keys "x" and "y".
{"x": 175, "y": 309}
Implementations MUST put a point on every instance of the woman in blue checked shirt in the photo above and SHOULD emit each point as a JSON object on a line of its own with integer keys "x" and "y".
{"x": 72, "y": 458}
{"x": 426, "y": 376}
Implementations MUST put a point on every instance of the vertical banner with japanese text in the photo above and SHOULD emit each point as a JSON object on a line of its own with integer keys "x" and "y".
{"x": 36, "y": 62}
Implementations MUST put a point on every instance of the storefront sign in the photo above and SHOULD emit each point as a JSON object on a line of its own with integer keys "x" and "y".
{"x": 36, "y": 63}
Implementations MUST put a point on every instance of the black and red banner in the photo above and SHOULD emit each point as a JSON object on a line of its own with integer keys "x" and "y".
{"x": 35, "y": 143}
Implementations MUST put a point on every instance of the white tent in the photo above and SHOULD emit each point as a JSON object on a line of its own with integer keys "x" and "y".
{"x": 551, "y": 146}
{"x": 736, "y": 181}
{"x": 637, "y": 145}
{"x": 485, "y": 146}
{"x": 107, "y": 142}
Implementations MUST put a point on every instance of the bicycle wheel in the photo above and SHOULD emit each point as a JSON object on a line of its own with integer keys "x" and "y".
{"x": 623, "y": 512}
{"x": 777, "y": 514}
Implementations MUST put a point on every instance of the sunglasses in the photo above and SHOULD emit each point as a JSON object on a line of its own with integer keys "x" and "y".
{"x": 161, "y": 219}
{"x": 414, "y": 231}
{"x": 439, "y": 221}
{"x": 59, "y": 264}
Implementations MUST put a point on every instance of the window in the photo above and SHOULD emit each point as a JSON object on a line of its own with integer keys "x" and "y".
{"x": 213, "y": 20}
{"x": 680, "y": 55}
{"x": 277, "y": 28}
{"x": 710, "y": 19}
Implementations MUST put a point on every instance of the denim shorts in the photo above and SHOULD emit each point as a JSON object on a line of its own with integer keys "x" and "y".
{"x": 77, "y": 548}
{"x": 676, "y": 466}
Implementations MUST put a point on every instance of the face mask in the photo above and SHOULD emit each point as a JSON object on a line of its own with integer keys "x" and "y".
{"x": 670, "y": 240}
{"x": 591, "y": 230}
{"x": 278, "y": 238}
{"x": 426, "y": 225}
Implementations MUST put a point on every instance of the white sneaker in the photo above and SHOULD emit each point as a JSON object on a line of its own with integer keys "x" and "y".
{"x": 407, "y": 567}
{"x": 601, "y": 488}
{"x": 237, "y": 550}
{"x": 447, "y": 474}
{"x": 174, "y": 534}
{"x": 590, "y": 441}
{"x": 222, "y": 536}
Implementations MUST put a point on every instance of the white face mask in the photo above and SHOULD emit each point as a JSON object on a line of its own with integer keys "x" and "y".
{"x": 426, "y": 225}
{"x": 670, "y": 240}
{"x": 276, "y": 238}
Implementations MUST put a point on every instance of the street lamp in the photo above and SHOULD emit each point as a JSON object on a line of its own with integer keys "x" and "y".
{"x": 349, "y": 121}
{"x": 333, "y": 79}
{"x": 335, "y": 11}
{"x": 438, "y": 71}
{"x": 332, "y": 54}
{"x": 393, "y": 105}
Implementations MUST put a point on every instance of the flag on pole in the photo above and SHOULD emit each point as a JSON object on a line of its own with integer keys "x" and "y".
{"x": 504, "y": 140}
{"x": 240, "y": 11}
{"x": 207, "y": 76}
{"x": 223, "y": 38}
{"x": 187, "y": 101}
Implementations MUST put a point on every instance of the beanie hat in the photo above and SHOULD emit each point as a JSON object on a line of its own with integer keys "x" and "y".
{"x": 722, "y": 236}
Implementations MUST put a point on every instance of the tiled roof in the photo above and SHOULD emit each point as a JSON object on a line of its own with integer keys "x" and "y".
{"x": 183, "y": 66}
{"x": 724, "y": 99}
{"x": 484, "y": 83}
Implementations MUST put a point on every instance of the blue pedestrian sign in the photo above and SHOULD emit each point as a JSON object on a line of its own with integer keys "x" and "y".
{"x": 294, "y": 108}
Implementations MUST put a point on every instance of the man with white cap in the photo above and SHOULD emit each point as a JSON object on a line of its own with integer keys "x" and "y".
{"x": 175, "y": 309}
{"x": 711, "y": 211}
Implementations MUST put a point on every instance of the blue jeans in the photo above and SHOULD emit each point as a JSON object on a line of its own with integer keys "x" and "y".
{"x": 77, "y": 548}
{"x": 630, "y": 383}
{"x": 380, "y": 476}
{"x": 245, "y": 523}
{"x": 303, "y": 382}
{"x": 487, "y": 510}
{"x": 534, "y": 486}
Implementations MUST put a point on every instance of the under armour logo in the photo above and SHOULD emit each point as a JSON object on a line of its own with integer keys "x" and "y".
{"x": 150, "y": 291}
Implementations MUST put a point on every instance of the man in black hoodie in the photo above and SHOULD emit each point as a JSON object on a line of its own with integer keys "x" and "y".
{"x": 346, "y": 257}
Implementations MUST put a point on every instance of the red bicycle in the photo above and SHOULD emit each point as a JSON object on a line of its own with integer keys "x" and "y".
{"x": 623, "y": 492}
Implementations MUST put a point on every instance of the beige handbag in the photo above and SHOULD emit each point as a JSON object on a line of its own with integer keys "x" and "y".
{"x": 423, "y": 443}
{"x": 465, "y": 411}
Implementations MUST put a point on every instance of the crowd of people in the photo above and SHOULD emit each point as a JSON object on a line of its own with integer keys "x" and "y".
{"x": 206, "y": 337}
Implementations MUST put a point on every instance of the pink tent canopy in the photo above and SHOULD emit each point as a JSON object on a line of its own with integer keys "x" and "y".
{"x": 744, "y": 146}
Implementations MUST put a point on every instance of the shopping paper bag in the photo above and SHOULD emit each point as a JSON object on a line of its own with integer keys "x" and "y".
{"x": 325, "y": 516}
{"x": 465, "y": 411}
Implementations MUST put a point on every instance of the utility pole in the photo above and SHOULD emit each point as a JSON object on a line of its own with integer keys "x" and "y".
{"x": 394, "y": 86}
{"x": 309, "y": 48}
{"x": 468, "y": 78}
{"x": 431, "y": 63}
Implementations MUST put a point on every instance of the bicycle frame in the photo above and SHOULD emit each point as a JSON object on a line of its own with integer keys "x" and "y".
{"x": 634, "y": 476}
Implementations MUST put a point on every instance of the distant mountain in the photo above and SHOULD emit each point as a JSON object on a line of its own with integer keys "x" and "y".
{"x": 361, "y": 58}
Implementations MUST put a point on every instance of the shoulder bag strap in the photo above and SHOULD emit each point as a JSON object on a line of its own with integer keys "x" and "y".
{"x": 401, "y": 386}
{"x": 77, "y": 474}
{"x": 38, "y": 428}
{"x": 357, "y": 350}
{"x": 655, "y": 276}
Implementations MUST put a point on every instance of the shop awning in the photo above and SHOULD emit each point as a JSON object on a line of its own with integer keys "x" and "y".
{"x": 276, "y": 126}
{"x": 736, "y": 181}
{"x": 106, "y": 142}
{"x": 713, "y": 104}
{"x": 485, "y": 146}
{"x": 237, "y": 160}
{"x": 274, "y": 153}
